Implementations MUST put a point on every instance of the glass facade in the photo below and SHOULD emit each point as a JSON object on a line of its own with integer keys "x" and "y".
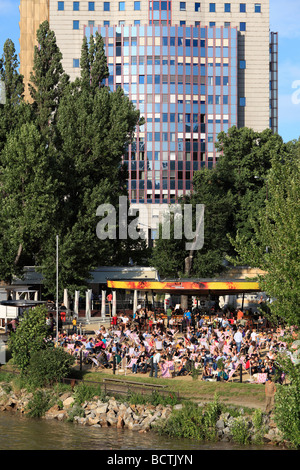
{"x": 184, "y": 82}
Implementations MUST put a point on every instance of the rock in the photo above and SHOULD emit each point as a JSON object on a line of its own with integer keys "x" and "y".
{"x": 220, "y": 424}
{"x": 52, "y": 412}
{"x": 92, "y": 421}
{"x": 120, "y": 423}
{"x": 113, "y": 405}
{"x": 61, "y": 415}
{"x": 101, "y": 409}
{"x": 103, "y": 420}
{"x": 178, "y": 407}
{"x": 111, "y": 418}
{"x": 68, "y": 402}
{"x": 64, "y": 396}
{"x": 82, "y": 421}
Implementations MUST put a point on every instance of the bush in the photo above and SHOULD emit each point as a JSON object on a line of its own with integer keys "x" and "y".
{"x": 287, "y": 413}
{"x": 39, "y": 404}
{"x": 193, "y": 422}
{"x": 29, "y": 337}
{"x": 84, "y": 392}
{"x": 49, "y": 366}
{"x": 240, "y": 432}
{"x": 75, "y": 411}
{"x": 287, "y": 402}
{"x": 259, "y": 428}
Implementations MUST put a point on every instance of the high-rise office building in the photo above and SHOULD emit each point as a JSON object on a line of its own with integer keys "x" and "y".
{"x": 192, "y": 68}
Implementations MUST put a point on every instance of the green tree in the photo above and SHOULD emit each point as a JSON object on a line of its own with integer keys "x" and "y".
{"x": 14, "y": 112}
{"x": 93, "y": 63}
{"x": 232, "y": 191}
{"x": 47, "y": 80}
{"x": 168, "y": 254}
{"x": 29, "y": 337}
{"x": 95, "y": 127}
{"x": 287, "y": 398}
{"x": 28, "y": 199}
{"x": 13, "y": 81}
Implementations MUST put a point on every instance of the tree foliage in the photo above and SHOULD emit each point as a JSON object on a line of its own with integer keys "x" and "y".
{"x": 49, "y": 366}
{"x": 29, "y": 338}
{"x": 275, "y": 244}
{"x": 232, "y": 191}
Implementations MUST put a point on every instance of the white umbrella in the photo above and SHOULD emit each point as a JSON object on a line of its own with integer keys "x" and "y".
{"x": 88, "y": 304}
{"x": 66, "y": 299}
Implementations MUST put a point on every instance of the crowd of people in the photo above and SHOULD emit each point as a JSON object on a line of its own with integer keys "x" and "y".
{"x": 216, "y": 347}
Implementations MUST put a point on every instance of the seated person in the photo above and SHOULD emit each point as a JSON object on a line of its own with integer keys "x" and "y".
{"x": 207, "y": 373}
{"x": 90, "y": 346}
{"x": 182, "y": 367}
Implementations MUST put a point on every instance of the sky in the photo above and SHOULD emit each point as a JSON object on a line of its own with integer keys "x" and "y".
{"x": 284, "y": 19}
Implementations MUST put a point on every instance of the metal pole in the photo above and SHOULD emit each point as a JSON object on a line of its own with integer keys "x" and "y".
{"x": 56, "y": 289}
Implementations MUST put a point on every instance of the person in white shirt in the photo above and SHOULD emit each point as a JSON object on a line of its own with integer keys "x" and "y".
{"x": 238, "y": 338}
{"x": 156, "y": 360}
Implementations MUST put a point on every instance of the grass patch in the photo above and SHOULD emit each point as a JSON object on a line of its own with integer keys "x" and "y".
{"x": 195, "y": 389}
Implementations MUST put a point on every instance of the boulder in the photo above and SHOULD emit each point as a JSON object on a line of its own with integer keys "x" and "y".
{"x": 68, "y": 402}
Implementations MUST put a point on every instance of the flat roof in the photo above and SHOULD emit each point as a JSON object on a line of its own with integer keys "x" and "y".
{"x": 188, "y": 286}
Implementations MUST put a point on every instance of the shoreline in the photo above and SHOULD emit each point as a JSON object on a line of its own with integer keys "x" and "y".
{"x": 138, "y": 418}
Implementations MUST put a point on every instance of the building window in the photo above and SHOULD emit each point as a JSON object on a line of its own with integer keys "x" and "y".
{"x": 91, "y": 6}
{"x": 212, "y": 24}
{"x": 91, "y": 23}
{"x": 76, "y": 63}
{"x": 75, "y": 6}
{"x": 106, "y": 23}
{"x": 212, "y": 7}
{"x": 197, "y": 6}
{"x": 182, "y": 23}
{"x": 60, "y": 6}
{"x": 137, "y": 22}
{"x": 257, "y": 8}
{"x": 106, "y": 6}
{"x": 242, "y": 102}
{"x": 227, "y": 7}
{"x": 242, "y": 7}
{"x": 227, "y": 24}
{"x": 121, "y": 6}
{"x": 182, "y": 6}
{"x": 242, "y": 64}
{"x": 75, "y": 24}
{"x": 137, "y": 6}
{"x": 121, "y": 22}
{"x": 242, "y": 26}
{"x": 197, "y": 23}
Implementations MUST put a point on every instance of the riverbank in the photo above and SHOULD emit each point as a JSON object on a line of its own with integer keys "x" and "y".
{"x": 108, "y": 412}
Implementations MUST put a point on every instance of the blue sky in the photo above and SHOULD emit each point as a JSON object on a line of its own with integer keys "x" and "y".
{"x": 284, "y": 18}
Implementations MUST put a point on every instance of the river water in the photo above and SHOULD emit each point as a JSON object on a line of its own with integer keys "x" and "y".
{"x": 18, "y": 432}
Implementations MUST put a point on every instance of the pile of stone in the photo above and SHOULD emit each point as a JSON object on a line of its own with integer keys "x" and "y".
{"x": 271, "y": 433}
{"x": 110, "y": 413}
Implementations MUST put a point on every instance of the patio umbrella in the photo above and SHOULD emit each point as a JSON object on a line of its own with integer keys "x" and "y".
{"x": 66, "y": 299}
{"x": 88, "y": 304}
